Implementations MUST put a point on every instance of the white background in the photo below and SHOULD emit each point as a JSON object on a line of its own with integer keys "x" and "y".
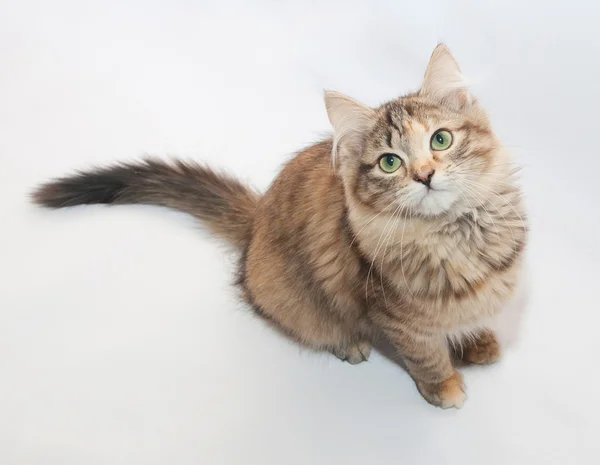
{"x": 121, "y": 338}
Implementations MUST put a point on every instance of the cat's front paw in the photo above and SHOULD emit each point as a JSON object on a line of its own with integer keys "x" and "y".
{"x": 484, "y": 349}
{"x": 450, "y": 393}
{"x": 355, "y": 353}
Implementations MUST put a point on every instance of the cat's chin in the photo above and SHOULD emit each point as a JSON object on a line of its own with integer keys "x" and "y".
{"x": 436, "y": 202}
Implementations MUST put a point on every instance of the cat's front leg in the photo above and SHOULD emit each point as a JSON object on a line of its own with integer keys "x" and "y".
{"x": 428, "y": 360}
{"x": 430, "y": 365}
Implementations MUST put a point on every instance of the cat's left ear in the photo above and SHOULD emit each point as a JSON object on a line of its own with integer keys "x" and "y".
{"x": 443, "y": 80}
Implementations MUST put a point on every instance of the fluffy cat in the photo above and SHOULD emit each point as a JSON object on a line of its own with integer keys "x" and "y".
{"x": 408, "y": 221}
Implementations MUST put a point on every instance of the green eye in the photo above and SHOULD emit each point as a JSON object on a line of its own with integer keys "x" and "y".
{"x": 441, "y": 140}
{"x": 390, "y": 162}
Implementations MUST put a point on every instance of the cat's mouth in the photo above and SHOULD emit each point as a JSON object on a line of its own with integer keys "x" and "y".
{"x": 436, "y": 201}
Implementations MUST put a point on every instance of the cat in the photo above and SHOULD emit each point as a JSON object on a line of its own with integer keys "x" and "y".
{"x": 409, "y": 222}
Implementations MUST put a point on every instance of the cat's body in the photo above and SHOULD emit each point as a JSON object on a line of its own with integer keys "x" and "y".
{"x": 320, "y": 270}
{"x": 336, "y": 251}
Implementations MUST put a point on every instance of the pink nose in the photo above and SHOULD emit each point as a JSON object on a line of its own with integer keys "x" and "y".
{"x": 424, "y": 174}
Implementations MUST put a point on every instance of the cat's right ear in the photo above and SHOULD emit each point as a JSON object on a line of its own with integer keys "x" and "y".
{"x": 349, "y": 118}
{"x": 346, "y": 114}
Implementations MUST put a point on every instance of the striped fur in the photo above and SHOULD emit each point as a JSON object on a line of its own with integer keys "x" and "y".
{"x": 330, "y": 256}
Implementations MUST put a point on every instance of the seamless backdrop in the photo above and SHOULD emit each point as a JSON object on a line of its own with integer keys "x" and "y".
{"x": 121, "y": 339}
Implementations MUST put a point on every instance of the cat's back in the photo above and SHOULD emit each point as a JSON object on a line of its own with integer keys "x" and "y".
{"x": 305, "y": 191}
{"x": 299, "y": 250}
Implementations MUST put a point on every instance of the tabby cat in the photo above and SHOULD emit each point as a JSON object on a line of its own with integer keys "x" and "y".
{"x": 407, "y": 222}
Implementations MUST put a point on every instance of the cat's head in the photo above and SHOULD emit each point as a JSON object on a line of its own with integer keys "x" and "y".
{"x": 421, "y": 154}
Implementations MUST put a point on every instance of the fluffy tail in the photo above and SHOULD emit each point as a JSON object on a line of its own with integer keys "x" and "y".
{"x": 222, "y": 203}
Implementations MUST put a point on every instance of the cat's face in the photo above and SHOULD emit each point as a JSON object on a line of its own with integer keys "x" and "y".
{"x": 419, "y": 155}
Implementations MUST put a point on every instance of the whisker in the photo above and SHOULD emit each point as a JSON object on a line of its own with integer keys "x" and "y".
{"x": 389, "y": 237}
{"x": 490, "y": 177}
{"x": 375, "y": 254}
{"x": 508, "y": 202}
{"x": 503, "y": 217}
{"x": 369, "y": 222}
{"x": 478, "y": 200}
{"x": 402, "y": 257}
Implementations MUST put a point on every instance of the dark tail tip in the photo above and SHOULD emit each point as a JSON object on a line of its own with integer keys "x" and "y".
{"x": 80, "y": 189}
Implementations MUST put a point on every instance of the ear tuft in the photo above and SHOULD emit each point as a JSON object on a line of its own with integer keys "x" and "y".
{"x": 443, "y": 79}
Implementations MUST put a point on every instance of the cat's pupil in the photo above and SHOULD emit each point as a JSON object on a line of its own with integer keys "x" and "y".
{"x": 390, "y": 160}
{"x": 440, "y": 139}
